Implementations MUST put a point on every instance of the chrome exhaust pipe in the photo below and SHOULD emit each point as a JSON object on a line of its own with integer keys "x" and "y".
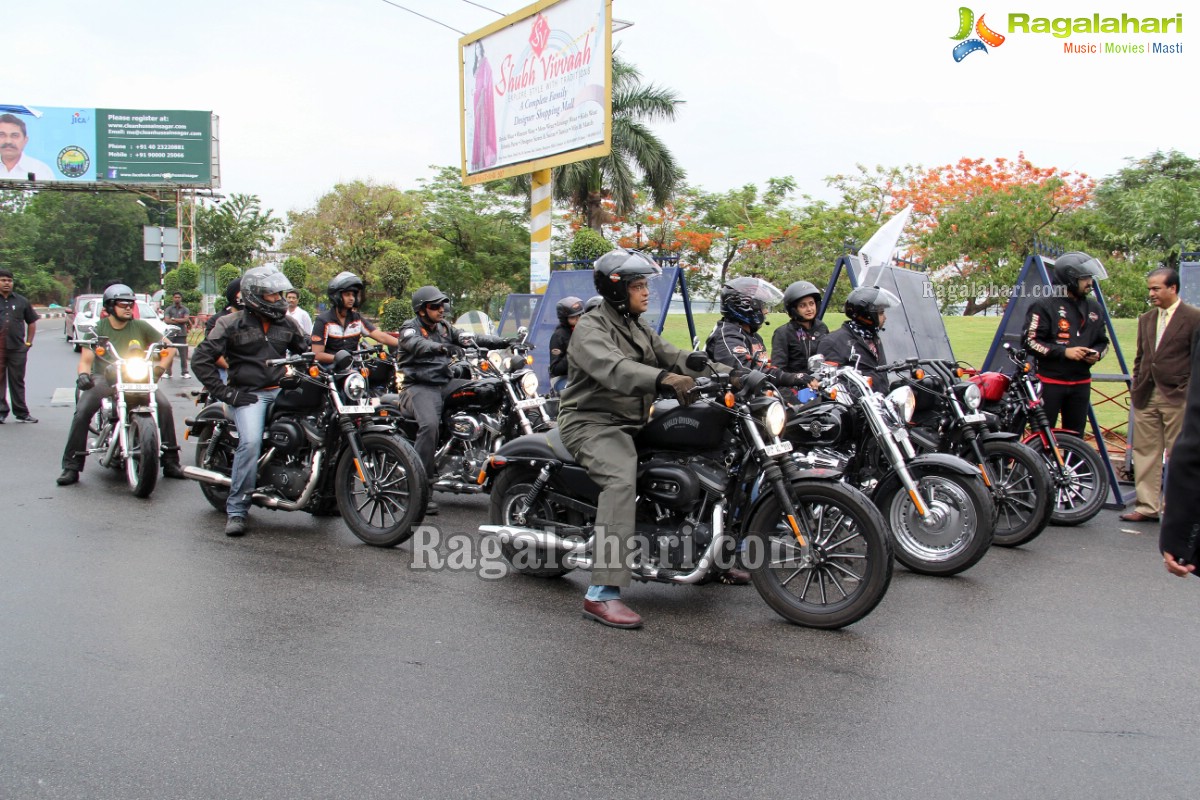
{"x": 206, "y": 476}
{"x": 259, "y": 499}
{"x": 710, "y": 553}
{"x": 532, "y": 537}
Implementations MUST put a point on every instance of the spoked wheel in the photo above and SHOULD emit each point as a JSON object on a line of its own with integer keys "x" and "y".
{"x": 1022, "y": 491}
{"x": 220, "y": 461}
{"x": 848, "y": 570}
{"x": 956, "y": 532}
{"x": 383, "y": 515}
{"x": 141, "y": 466}
{"x": 1080, "y": 485}
{"x": 507, "y": 507}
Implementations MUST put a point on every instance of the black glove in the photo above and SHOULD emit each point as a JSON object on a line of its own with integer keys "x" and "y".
{"x": 791, "y": 379}
{"x": 84, "y": 381}
{"x": 737, "y": 376}
{"x": 453, "y": 350}
{"x": 238, "y": 398}
{"x": 466, "y": 340}
{"x": 696, "y": 361}
{"x": 681, "y": 385}
{"x": 513, "y": 341}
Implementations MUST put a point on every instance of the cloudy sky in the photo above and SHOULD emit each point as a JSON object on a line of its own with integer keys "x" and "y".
{"x": 312, "y": 92}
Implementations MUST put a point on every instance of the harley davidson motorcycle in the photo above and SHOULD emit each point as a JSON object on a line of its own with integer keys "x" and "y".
{"x": 326, "y": 449}
{"x": 1076, "y": 468}
{"x": 712, "y": 477}
{"x": 496, "y": 401}
{"x": 936, "y": 505}
{"x": 946, "y": 418}
{"x": 125, "y": 429}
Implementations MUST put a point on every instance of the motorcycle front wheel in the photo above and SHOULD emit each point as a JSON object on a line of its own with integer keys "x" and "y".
{"x": 508, "y": 495}
{"x": 386, "y": 515}
{"x": 851, "y": 564}
{"x": 955, "y": 533}
{"x": 1022, "y": 490}
{"x": 1080, "y": 485}
{"x": 141, "y": 465}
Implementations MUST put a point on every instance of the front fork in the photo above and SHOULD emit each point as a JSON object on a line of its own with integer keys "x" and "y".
{"x": 773, "y": 475}
{"x": 350, "y": 432}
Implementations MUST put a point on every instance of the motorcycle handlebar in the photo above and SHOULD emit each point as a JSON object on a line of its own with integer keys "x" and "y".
{"x": 301, "y": 358}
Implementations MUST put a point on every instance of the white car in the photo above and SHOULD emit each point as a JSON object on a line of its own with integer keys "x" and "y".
{"x": 84, "y": 322}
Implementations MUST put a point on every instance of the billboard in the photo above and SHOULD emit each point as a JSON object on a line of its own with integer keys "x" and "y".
{"x": 107, "y": 145}
{"x": 535, "y": 89}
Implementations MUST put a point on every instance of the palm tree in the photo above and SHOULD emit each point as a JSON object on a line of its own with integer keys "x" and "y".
{"x": 638, "y": 155}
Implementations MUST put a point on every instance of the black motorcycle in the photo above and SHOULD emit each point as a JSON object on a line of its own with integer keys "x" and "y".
{"x": 326, "y": 450}
{"x": 711, "y": 476}
{"x": 494, "y": 400}
{"x": 1014, "y": 404}
{"x": 937, "y": 507}
{"x": 946, "y": 418}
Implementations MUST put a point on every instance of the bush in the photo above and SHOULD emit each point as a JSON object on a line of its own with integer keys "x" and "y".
{"x": 395, "y": 273}
{"x": 297, "y": 272}
{"x": 188, "y": 276}
{"x": 225, "y": 276}
{"x": 393, "y": 311}
{"x": 587, "y": 245}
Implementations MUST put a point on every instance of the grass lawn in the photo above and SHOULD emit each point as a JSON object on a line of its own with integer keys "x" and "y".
{"x": 970, "y": 337}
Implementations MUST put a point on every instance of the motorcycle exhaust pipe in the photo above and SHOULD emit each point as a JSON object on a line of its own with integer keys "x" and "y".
{"x": 710, "y": 553}
{"x": 259, "y": 499}
{"x": 206, "y": 476}
{"x": 532, "y": 537}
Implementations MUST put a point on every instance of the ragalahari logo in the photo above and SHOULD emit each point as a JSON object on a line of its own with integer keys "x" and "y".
{"x": 539, "y": 37}
{"x": 986, "y": 36}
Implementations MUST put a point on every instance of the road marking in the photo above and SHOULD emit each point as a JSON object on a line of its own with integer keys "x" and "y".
{"x": 63, "y": 397}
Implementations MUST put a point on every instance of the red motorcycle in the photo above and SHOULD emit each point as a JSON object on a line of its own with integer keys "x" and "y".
{"x": 1014, "y": 404}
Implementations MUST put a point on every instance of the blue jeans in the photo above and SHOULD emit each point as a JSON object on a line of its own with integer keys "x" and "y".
{"x": 251, "y": 420}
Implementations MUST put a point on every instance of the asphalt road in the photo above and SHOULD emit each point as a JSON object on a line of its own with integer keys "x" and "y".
{"x": 145, "y": 655}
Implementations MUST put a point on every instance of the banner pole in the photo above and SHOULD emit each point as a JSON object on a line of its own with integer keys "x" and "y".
{"x": 539, "y": 231}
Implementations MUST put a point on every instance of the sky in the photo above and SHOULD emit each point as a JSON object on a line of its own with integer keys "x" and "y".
{"x": 314, "y": 92}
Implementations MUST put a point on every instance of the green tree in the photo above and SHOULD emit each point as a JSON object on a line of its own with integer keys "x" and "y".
{"x": 226, "y": 275}
{"x": 587, "y": 245}
{"x": 232, "y": 232}
{"x": 1150, "y": 210}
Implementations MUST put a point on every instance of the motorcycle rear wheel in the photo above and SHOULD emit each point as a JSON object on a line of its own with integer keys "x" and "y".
{"x": 852, "y": 564}
{"x": 1022, "y": 490}
{"x": 389, "y": 517}
{"x": 222, "y": 462}
{"x": 141, "y": 465}
{"x": 955, "y": 544}
{"x": 510, "y": 488}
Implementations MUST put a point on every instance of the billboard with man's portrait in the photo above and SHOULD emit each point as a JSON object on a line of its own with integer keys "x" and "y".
{"x": 39, "y": 144}
{"x": 535, "y": 89}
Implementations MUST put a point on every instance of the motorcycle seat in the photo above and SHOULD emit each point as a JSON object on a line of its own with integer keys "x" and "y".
{"x": 554, "y": 439}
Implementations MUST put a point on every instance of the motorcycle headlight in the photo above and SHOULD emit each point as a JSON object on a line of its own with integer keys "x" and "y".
{"x": 775, "y": 418}
{"x": 529, "y": 384}
{"x": 972, "y": 397}
{"x": 136, "y": 369}
{"x": 904, "y": 400}
{"x": 355, "y": 387}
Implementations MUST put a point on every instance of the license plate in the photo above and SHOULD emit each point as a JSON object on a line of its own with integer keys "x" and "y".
{"x": 970, "y": 418}
{"x": 779, "y": 449}
{"x": 533, "y": 402}
{"x": 367, "y": 409}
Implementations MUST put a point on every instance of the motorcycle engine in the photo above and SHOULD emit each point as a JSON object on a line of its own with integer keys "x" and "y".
{"x": 823, "y": 458}
{"x": 287, "y": 479}
{"x": 285, "y": 436}
{"x": 465, "y": 427}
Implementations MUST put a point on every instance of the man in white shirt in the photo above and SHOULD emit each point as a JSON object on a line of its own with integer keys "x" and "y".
{"x": 14, "y": 164}
{"x": 303, "y": 320}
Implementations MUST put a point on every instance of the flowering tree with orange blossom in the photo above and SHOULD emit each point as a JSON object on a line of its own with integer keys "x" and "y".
{"x": 976, "y": 220}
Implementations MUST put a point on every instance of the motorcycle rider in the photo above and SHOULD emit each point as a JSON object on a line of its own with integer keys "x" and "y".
{"x": 247, "y": 339}
{"x": 617, "y": 365}
{"x": 735, "y": 341}
{"x": 427, "y": 343}
{"x": 124, "y": 334}
{"x": 797, "y": 341}
{"x": 593, "y": 302}
{"x": 857, "y": 343}
{"x": 342, "y": 326}
{"x": 569, "y": 310}
{"x": 1067, "y": 334}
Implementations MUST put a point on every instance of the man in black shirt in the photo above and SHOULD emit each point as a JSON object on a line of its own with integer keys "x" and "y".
{"x": 177, "y": 314}
{"x": 18, "y": 326}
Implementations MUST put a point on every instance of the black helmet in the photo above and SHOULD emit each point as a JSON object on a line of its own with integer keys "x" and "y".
{"x": 745, "y": 300}
{"x": 569, "y": 306}
{"x": 616, "y": 269}
{"x": 346, "y": 282}
{"x": 426, "y": 295}
{"x": 118, "y": 291}
{"x": 1070, "y": 267}
{"x": 866, "y": 302}
{"x": 593, "y": 303}
{"x": 231, "y": 292}
{"x": 795, "y": 292}
{"x": 261, "y": 281}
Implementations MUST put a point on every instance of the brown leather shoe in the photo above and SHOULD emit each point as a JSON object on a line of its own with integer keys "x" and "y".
{"x": 1137, "y": 516}
{"x": 612, "y": 613}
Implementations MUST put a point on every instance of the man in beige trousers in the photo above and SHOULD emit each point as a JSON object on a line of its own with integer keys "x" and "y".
{"x": 1159, "y": 388}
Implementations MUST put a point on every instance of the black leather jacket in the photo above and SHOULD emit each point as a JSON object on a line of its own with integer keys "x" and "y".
{"x": 558, "y": 350}
{"x": 846, "y": 348}
{"x": 730, "y": 344}
{"x": 793, "y": 344}
{"x": 423, "y": 355}
{"x": 239, "y": 336}
{"x": 1056, "y": 323}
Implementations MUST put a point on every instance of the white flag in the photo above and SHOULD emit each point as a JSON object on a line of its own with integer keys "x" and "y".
{"x": 880, "y": 248}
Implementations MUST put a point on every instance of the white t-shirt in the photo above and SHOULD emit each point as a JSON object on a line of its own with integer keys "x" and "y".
{"x": 26, "y": 165}
{"x": 302, "y": 319}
